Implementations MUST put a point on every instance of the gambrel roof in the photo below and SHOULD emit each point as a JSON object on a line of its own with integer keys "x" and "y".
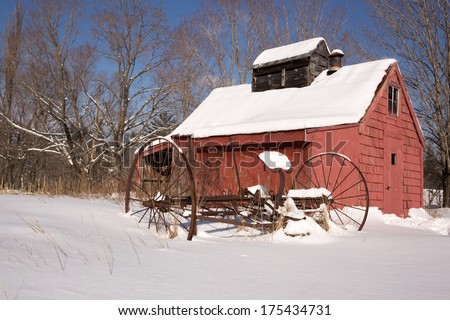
{"x": 340, "y": 98}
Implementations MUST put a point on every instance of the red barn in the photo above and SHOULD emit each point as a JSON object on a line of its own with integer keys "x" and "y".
{"x": 303, "y": 102}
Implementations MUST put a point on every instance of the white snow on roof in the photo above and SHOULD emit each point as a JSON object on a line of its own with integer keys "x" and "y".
{"x": 341, "y": 98}
{"x": 288, "y": 51}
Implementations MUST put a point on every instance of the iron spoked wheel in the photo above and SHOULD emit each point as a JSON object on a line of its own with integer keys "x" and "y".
{"x": 347, "y": 196}
{"x": 160, "y": 187}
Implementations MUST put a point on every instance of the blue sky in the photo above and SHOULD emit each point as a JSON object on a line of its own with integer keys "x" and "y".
{"x": 6, "y": 9}
{"x": 175, "y": 9}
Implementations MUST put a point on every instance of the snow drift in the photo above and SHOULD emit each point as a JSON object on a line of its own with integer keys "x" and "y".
{"x": 66, "y": 248}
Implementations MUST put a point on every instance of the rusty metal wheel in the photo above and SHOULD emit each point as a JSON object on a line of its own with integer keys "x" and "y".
{"x": 344, "y": 188}
{"x": 160, "y": 188}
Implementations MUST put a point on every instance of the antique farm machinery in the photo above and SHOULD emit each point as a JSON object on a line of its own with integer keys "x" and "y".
{"x": 163, "y": 183}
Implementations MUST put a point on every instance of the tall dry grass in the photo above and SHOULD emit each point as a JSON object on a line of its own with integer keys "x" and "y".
{"x": 67, "y": 185}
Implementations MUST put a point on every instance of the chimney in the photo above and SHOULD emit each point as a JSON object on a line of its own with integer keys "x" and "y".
{"x": 335, "y": 61}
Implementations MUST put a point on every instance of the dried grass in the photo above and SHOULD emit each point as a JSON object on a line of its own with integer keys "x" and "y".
{"x": 67, "y": 186}
{"x": 173, "y": 228}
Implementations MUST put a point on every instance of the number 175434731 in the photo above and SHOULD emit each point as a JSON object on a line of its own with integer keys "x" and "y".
{"x": 295, "y": 310}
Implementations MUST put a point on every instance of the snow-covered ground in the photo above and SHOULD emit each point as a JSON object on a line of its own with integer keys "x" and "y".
{"x": 67, "y": 248}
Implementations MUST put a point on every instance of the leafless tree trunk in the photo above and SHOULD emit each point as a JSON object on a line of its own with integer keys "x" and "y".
{"x": 221, "y": 40}
{"x": 418, "y": 33}
{"x": 228, "y": 40}
{"x": 287, "y": 21}
{"x": 58, "y": 115}
{"x": 11, "y": 162}
{"x": 189, "y": 68}
{"x": 56, "y": 103}
{"x": 132, "y": 37}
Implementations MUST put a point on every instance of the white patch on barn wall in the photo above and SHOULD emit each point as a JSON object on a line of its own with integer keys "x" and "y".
{"x": 275, "y": 160}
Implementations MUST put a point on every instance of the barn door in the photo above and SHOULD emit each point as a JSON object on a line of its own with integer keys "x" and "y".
{"x": 393, "y": 177}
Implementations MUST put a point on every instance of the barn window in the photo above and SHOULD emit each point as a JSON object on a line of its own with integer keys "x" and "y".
{"x": 393, "y": 159}
{"x": 393, "y": 101}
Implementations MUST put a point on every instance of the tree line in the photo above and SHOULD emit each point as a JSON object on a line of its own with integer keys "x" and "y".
{"x": 81, "y": 85}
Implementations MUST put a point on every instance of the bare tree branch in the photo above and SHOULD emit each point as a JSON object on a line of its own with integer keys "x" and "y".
{"x": 418, "y": 33}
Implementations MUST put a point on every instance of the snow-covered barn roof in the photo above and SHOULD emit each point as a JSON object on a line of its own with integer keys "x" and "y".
{"x": 340, "y": 98}
{"x": 288, "y": 51}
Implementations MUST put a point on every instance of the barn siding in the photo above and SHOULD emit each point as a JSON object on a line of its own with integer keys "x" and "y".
{"x": 214, "y": 166}
{"x": 364, "y": 143}
{"x": 376, "y": 126}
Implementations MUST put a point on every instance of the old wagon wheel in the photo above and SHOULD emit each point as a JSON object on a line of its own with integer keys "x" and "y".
{"x": 161, "y": 185}
{"x": 346, "y": 194}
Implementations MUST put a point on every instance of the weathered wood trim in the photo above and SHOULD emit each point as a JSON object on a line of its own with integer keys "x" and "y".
{"x": 263, "y": 139}
{"x": 331, "y": 128}
{"x": 294, "y": 72}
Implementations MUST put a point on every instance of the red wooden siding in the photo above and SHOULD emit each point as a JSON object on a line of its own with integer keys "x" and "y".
{"x": 214, "y": 163}
{"x": 394, "y": 188}
{"x": 376, "y": 130}
{"x": 343, "y": 140}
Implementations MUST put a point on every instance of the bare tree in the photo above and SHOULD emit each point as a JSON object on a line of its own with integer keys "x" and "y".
{"x": 61, "y": 98}
{"x": 222, "y": 39}
{"x": 11, "y": 158}
{"x": 229, "y": 41}
{"x": 55, "y": 68}
{"x": 290, "y": 21}
{"x": 132, "y": 39}
{"x": 189, "y": 68}
{"x": 418, "y": 33}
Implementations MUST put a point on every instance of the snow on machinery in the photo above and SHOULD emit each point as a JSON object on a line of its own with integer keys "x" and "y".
{"x": 162, "y": 187}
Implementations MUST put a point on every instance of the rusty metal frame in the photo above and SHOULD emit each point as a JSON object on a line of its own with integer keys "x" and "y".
{"x": 220, "y": 208}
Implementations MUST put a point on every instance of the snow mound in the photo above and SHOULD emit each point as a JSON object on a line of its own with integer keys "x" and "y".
{"x": 337, "y": 231}
{"x": 311, "y": 231}
{"x": 299, "y": 227}
{"x": 420, "y": 219}
{"x": 418, "y": 213}
{"x": 290, "y": 207}
{"x": 375, "y": 215}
